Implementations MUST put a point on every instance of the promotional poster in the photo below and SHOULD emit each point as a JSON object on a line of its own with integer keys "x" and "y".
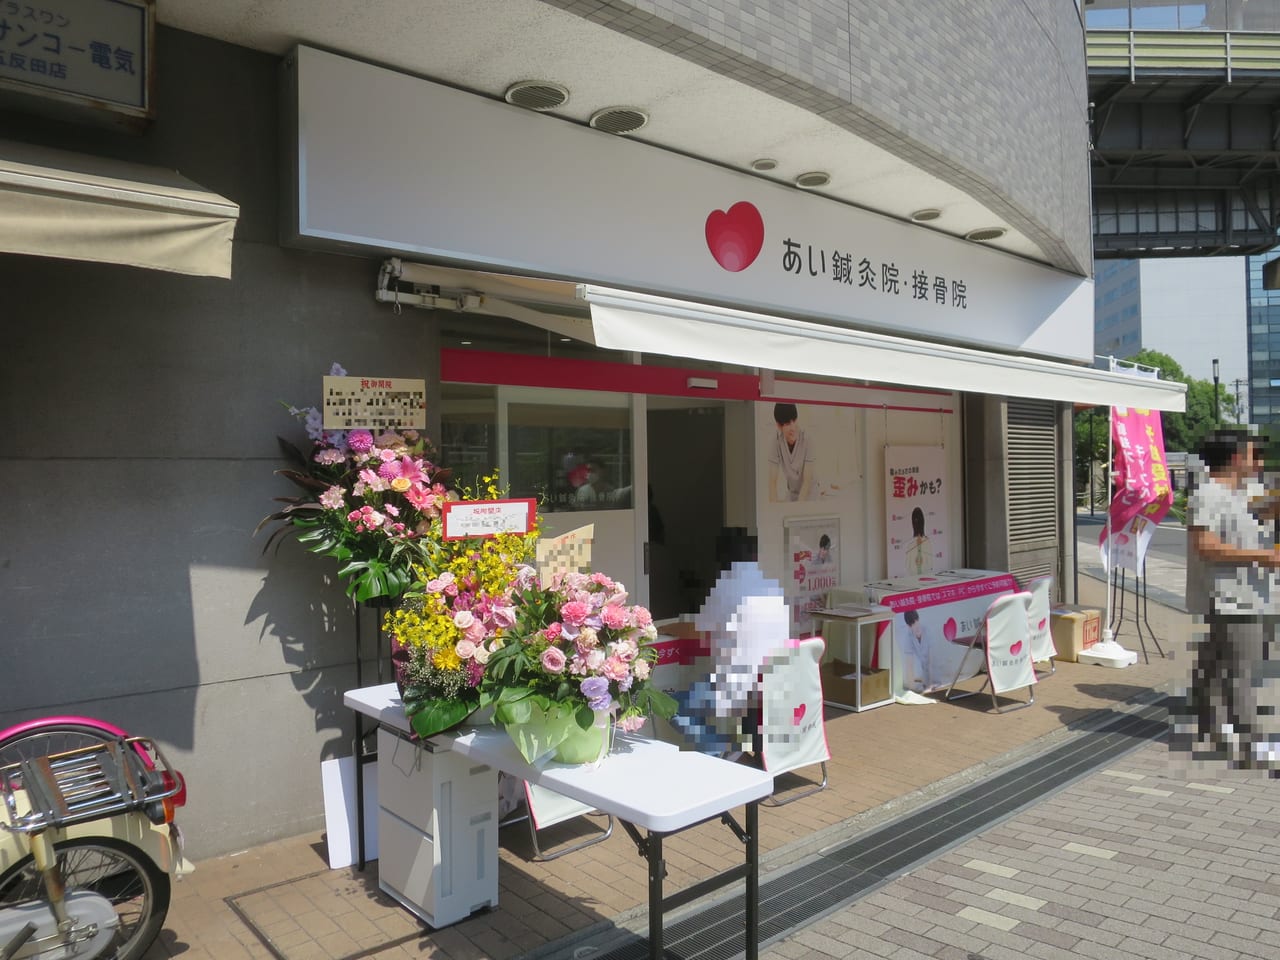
{"x": 813, "y": 567}
{"x": 808, "y": 451}
{"x": 915, "y": 510}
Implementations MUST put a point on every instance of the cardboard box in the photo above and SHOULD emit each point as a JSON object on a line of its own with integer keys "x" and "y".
{"x": 1075, "y": 629}
{"x": 840, "y": 683}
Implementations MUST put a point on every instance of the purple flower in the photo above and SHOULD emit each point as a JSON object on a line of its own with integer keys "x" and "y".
{"x": 596, "y": 690}
{"x": 336, "y": 370}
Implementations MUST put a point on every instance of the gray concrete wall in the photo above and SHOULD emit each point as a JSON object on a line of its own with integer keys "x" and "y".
{"x": 988, "y": 95}
{"x": 139, "y": 456}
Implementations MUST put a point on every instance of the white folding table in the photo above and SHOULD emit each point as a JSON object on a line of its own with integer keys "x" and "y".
{"x": 646, "y": 785}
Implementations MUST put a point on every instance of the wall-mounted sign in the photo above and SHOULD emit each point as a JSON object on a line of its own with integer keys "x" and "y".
{"x": 92, "y": 53}
{"x": 374, "y": 403}
{"x": 487, "y": 518}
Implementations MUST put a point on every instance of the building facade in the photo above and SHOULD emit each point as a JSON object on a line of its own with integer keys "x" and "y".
{"x": 148, "y": 402}
{"x": 1193, "y": 309}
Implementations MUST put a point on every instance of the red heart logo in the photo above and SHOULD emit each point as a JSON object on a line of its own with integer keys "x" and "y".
{"x": 1016, "y": 648}
{"x": 736, "y": 236}
{"x": 798, "y": 714}
{"x": 949, "y": 629}
{"x": 1042, "y": 623}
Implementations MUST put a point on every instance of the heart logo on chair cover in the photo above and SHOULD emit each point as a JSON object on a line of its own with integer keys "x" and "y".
{"x": 1016, "y": 648}
{"x": 798, "y": 715}
{"x": 1043, "y": 621}
{"x": 949, "y": 629}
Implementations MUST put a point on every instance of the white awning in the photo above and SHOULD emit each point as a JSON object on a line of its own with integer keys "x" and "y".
{"x": 78, "y": 207}
{"x": 631, "y": 321}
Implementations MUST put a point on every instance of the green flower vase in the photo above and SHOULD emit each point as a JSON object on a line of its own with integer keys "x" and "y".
{"x": 590, "y": 745}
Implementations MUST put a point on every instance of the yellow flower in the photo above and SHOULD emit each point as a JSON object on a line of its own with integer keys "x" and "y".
{"x": 400, "y": 484}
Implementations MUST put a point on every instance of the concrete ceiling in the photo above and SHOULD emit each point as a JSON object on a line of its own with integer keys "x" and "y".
{"x": 486, "y": 45}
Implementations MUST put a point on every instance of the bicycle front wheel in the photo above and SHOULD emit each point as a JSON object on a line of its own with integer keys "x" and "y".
{"x": 137, "y": 889}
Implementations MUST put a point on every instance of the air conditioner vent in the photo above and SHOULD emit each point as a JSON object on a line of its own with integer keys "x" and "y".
{"x": 619, "y": 120}
{"x": 537, "y": 95}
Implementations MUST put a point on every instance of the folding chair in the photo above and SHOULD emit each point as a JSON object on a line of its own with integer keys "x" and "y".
{"x": 793, "y": 730}
{"x": 546, "y": 808}
{"x": 1042, "y": 647}
{"x": 1005, "y": 639}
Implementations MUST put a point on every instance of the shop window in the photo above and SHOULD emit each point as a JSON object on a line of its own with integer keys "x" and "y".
{"x": 571, "y": 450}
{"x": 571, "y": 457}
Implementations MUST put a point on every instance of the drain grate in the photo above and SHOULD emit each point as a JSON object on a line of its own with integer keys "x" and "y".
{"x": 852, "y": 870}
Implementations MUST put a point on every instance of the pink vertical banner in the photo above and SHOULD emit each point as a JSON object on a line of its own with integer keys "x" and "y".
{"x": 1143, "y": 493}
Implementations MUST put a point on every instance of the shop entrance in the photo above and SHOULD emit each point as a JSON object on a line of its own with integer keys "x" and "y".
{"x": 686, "y": 490}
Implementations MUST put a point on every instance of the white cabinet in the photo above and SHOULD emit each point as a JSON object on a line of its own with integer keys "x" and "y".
{"x": 437, "y": 829}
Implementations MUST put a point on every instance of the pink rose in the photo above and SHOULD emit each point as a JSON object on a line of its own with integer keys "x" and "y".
{"x": 553, "y": 660}
{"x": 616, "y": 669}
{"x": 475, "y": 633}
{"x": 463, "y": 618}
{"x": 575, "y": 613}
{"x": 504, "y": 617}
{"x": 630, "y": 724}
{"x": 614, "y": 616}
{"x": 465, "y": 649}
{"x": 625, "y": 650}
{"x": 553, "y": 631}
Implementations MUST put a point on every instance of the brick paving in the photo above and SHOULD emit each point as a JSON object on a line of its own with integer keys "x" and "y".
{"x": 884, "y": 762}
{"x": 1151, "y": 857}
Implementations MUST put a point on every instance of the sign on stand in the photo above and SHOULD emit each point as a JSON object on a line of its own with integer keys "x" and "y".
{"x": 487, "y": 518}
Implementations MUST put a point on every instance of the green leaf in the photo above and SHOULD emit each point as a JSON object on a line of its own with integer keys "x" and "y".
{"x": 585, "y": 716}
{"x": 437, "y": 716}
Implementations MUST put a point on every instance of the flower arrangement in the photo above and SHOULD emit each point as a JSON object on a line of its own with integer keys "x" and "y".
{"x": 459, "y": 610}
{"x": 367, "y": 501}
{"x": 577, "y": 649}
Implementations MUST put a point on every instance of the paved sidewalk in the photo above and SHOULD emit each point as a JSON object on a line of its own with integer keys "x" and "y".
{"x": 1150, "y": 857}
{"x": 280, "y": 900}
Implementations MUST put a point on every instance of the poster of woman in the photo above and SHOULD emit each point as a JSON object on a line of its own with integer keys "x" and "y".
{"x": 915, "y": 510}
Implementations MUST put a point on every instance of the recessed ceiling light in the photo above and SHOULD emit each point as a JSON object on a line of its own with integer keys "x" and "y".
{"x": 813, "y": 179}
{"x": 764, "y": 165}
{"x": 465, "y": 343}
{"x": 566, "y": 339}
{"x": 925, "y": 215}
{"x": 537, "y": 94}
{"x": 619, "y": 120}
{"x": 983, "y": 234}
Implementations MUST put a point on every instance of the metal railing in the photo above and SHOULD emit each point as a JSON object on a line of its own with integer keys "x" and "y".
{"x": 1172, "y": 52}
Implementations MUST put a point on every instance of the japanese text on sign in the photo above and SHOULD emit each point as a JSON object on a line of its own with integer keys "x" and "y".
{"x": 845, "y": 267}
{"x": 374, "y": 403}
{"x": 91, "y": 50}
{"x": 487, "y": 518}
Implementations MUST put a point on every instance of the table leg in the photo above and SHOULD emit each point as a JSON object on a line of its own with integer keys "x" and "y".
{"x": 657, "y": 868}
{"x": 753, "y": 882}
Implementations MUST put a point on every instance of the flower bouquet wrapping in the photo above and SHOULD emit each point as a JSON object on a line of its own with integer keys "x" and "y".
{"x": 367, "y": 500}
{"x": 444, "y": 630}
{"x": 577, "y": 656}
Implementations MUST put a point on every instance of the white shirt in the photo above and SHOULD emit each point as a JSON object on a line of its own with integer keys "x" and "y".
{"x": 1227, "y": 589}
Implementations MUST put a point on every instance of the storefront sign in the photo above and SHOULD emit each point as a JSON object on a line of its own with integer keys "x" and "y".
{"x": 916, "y": 524}
{"x": 375, "y": 403}
{"x": 813, "y": 567}
{"x": 1143, "y": 492}
{"x": 676, "y": 226}
{"x": 97, "y": 53}
{"x": 487, "y": 518}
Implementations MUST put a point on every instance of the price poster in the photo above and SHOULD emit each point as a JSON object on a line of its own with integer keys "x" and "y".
{"x": 813, "y": 567}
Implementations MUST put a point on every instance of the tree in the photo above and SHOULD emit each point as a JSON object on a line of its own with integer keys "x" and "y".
{"x": 1182, "y": 431}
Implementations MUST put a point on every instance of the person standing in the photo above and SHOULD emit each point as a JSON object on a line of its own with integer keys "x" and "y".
{"x": 1233, "y": 588}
